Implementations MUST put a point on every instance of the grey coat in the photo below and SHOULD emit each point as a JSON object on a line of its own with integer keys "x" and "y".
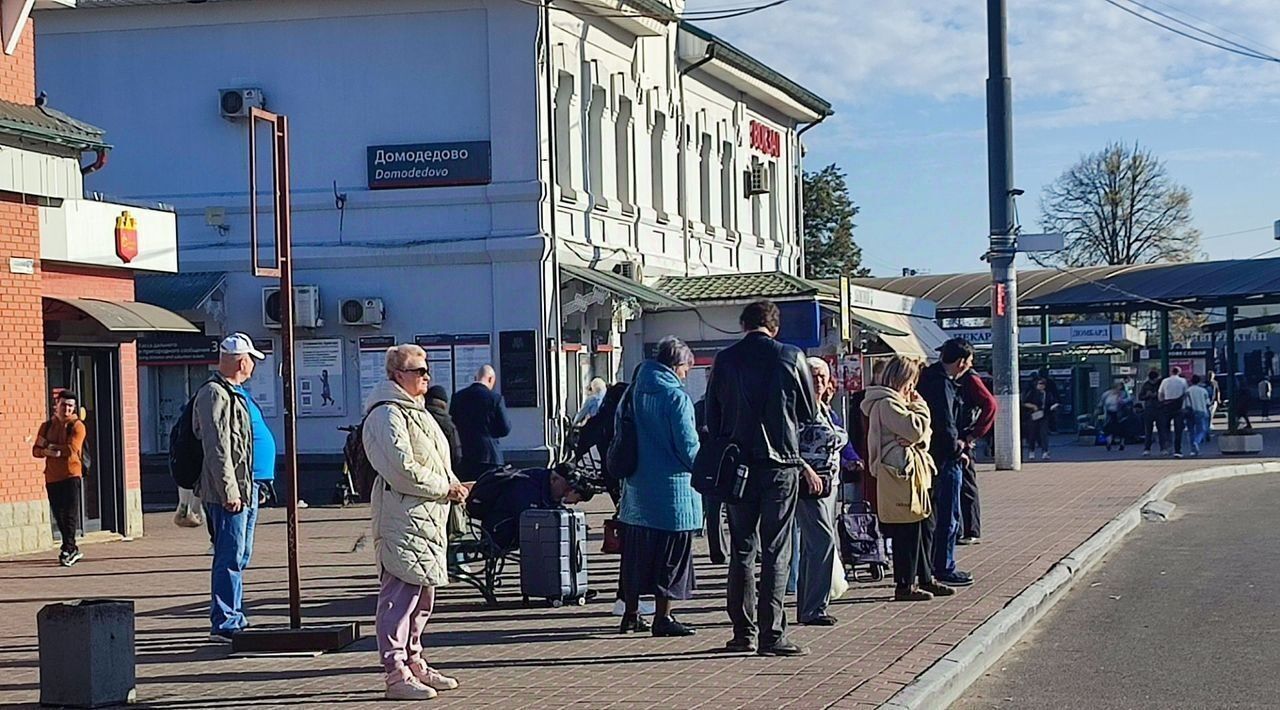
{"x": 220, "y": 419}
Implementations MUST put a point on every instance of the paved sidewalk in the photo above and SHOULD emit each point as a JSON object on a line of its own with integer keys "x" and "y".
{"x": 559, "y": 658}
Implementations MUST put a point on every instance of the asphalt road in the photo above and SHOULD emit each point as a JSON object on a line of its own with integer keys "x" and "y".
{"x": 1184, "y": 614}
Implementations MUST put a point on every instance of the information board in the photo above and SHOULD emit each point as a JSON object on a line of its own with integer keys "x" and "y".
{"x": 518, "y": 350}
{"x": 373, "y": 363}
{"x": 321, "y": 383}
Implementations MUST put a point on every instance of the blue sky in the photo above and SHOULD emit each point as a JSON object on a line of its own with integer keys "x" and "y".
{"x": 907, "y": 77}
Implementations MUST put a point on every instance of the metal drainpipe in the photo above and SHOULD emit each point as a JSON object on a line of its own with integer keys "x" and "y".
{"x": 682, "y": 179}
{"x": 799, "y": 191}
{"x": 555, "y": 400}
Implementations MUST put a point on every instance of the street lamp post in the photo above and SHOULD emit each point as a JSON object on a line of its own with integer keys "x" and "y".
{"x": 1003, "y": 249}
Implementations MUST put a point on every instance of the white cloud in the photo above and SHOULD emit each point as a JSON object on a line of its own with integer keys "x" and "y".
{"x": 1073, "y": 63}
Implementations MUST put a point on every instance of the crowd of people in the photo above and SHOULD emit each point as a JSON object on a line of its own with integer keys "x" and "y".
{"x": 907, "y": 449}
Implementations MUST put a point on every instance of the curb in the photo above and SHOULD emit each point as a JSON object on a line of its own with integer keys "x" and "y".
{"x": 948, "y": 678}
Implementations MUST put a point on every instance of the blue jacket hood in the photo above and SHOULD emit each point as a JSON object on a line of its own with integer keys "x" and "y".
{"x": 656, "y": 377}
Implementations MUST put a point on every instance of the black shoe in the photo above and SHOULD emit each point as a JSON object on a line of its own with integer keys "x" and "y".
{"x": 740, "y": 645}
{"x": 71, "y": 558}
{"x": 937, "y": 590}
{"x": 668, "y": 626}
{"x": 633, "y": 622}
{"x": 783, "y": 648}
{"x": 824, "y": 620}
{"x": 955, "y": 579}
{"x": 717, "y": 560}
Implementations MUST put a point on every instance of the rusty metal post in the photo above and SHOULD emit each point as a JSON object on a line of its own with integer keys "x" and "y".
{"x": 282, "y": 270}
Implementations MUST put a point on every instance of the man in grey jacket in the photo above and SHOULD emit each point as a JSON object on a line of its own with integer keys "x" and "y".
{"x": 220, "y": 419}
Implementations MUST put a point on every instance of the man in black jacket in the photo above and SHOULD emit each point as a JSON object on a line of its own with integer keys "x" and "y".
{"x": 939, "y": 389}
{"x": 481, "y": 417}
{"x": 437, "y": 403}
{"x": 759, "y": 395}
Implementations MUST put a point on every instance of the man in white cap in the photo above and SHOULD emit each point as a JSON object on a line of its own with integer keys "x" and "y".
{"x": 222, "y": 421}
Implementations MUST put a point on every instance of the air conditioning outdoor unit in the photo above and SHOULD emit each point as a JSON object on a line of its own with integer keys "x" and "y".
{"x": 306, "y": 307}
{"x": 235, "y": 103}
{"x": 633, "y": 270}
{"x": 755, "y": 181}
{"x": 361, "y": 311}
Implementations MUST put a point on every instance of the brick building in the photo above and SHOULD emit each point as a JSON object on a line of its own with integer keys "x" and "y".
{"x": 67, "y": 306}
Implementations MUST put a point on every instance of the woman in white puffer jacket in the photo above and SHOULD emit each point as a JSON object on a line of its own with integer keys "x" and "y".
{"x": 410, "y": 509}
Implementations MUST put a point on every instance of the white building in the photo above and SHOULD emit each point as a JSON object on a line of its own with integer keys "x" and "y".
{"x": 506, "y": 199}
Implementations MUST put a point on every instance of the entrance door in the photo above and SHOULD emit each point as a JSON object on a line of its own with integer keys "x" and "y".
{"x": 93, "y": 375}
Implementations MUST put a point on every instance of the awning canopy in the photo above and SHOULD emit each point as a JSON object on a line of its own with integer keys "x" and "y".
{"x": 117, "y": 316}
{"x": 623, "y": 286}
{"x": 902, "y": 333}
{"x": 178, "y": 292}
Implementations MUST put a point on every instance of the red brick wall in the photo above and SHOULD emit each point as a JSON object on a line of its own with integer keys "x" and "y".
{"x": 22, "y": 378}
{"x": 18, "y": 70}
{"x": 87, "y": 282}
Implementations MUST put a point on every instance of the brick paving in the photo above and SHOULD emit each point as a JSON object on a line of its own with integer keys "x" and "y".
{"x": 558, "y": 658}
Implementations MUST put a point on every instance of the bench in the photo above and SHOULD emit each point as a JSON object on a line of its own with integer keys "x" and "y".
{"x": 477, "y": 549}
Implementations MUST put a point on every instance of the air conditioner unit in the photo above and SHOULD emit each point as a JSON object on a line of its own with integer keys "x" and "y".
{"x": 361, "y": 311}
{"x": 633, "y": 270}
{"x": 235, "y": 103}
{"x": 756, "y": 183}
{"x": 306, "y": 307}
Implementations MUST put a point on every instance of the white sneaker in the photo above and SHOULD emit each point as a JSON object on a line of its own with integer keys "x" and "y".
{"x": 302, "y": 503}
{"x": 409, "y": 689}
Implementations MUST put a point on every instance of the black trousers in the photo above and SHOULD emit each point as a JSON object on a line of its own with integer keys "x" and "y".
{"x": 1152, "y": 427}
{"x": 64, "y": 501}
{"x": 970, "y": 505}
{"x": 1171, "y": 419}
{"x": 1038, "y": 434}
{"x": 910, "y": 561}
{"x": 760, "y": 527}
{"x": 717, "y": 534}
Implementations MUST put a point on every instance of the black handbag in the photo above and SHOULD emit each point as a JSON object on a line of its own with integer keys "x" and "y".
{"x": 828, "y": 487}
{"x": 623, "y": 455}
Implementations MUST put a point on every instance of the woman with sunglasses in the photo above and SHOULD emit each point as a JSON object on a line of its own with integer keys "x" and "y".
{"x": 410, "y": 509}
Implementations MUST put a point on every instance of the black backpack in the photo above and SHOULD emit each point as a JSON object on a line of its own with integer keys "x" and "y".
{"x": 363, "y": 474}
{"x": 186, "y": 451}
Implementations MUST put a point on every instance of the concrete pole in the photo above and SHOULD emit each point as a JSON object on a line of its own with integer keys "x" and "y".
{"x": 1004, "y": 277}
{"x": 1232, "y": 420}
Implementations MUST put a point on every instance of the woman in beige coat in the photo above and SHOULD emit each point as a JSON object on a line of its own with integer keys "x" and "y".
{"x": 898, "y": 443}
{"x": 410, "y": 510}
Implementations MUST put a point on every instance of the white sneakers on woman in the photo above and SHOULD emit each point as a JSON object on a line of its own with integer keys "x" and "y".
{"x": 418, "y": 681}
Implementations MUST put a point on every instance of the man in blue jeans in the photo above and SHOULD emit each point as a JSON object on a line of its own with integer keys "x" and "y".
{"x": 222, "y": 420}
{"x": 939, "y": 389}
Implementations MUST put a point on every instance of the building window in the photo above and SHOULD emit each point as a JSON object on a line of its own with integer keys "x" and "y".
{"x": 564, "y": 149}
{"x": 756, "y": 204}
{"x": 774, "y": 203}
{"x": 622, "y": 140}
{"x": 726, "y": 186}
{"x": 595, "y": 146}
{"x": 655, "y": 164}
{"x": 704, "y": 180}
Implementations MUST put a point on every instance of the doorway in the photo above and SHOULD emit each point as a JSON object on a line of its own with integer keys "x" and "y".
{"x": 93, "y": 374}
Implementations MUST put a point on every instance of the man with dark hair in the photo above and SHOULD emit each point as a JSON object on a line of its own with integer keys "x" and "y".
{"x": 60, "y": 442}
{"x": 938, "y": 386}
{"x": 978, "y": 416}
{"x": 1153, "y": 428}
{"x": 759, "y": 395}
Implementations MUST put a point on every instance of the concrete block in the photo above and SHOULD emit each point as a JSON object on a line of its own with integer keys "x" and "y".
{"x": 87, "y": 653}
{"x": 6, "y": 516}
{"x": 13, "y": 540}
{"x": 33, "y": 540}
{"x": 1240, "y": 443}
{"x": 1157, "y": 511}
{"x": 21, "y": 514}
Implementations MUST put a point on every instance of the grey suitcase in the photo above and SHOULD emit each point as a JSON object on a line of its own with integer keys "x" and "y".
{"x": 553, "y": 555}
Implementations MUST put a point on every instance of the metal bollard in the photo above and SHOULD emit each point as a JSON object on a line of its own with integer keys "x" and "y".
{"x": 87, "y": 653}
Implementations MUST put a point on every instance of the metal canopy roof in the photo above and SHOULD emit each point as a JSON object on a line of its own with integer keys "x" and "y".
{"x": 118, "y": 316}
{"x": 1099, "y": 289}
{"x": 623, "y": 286}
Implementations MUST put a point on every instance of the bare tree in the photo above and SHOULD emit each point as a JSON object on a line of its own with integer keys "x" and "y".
{"x": 1119, "y": 206}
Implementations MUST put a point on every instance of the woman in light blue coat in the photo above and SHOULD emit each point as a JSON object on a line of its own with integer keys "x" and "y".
{"x": 659, "y": 508}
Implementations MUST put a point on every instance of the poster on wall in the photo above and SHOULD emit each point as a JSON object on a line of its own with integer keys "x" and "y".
{"x": 849, "y": 374}
{"x": 518, "y": 350}
{"x": 470, "y": 353}
{"x": 321, "y": 384}
{"x": 373, "y": 363}
{"x": 439, "y": 358}
{"x": 266, "y": 376}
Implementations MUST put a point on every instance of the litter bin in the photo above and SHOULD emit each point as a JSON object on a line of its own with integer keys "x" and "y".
{"x": 86, "y": 653}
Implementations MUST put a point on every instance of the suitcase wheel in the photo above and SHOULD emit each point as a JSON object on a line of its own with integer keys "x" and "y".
{"x": 581, "y": 601}
{"x": 557, "y": 603}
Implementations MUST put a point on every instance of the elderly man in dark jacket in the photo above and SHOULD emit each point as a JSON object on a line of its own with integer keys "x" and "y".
{"x": 759, "y": 395}
{"x": 940, "y": 390}
{"x": 481, "y": 417}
